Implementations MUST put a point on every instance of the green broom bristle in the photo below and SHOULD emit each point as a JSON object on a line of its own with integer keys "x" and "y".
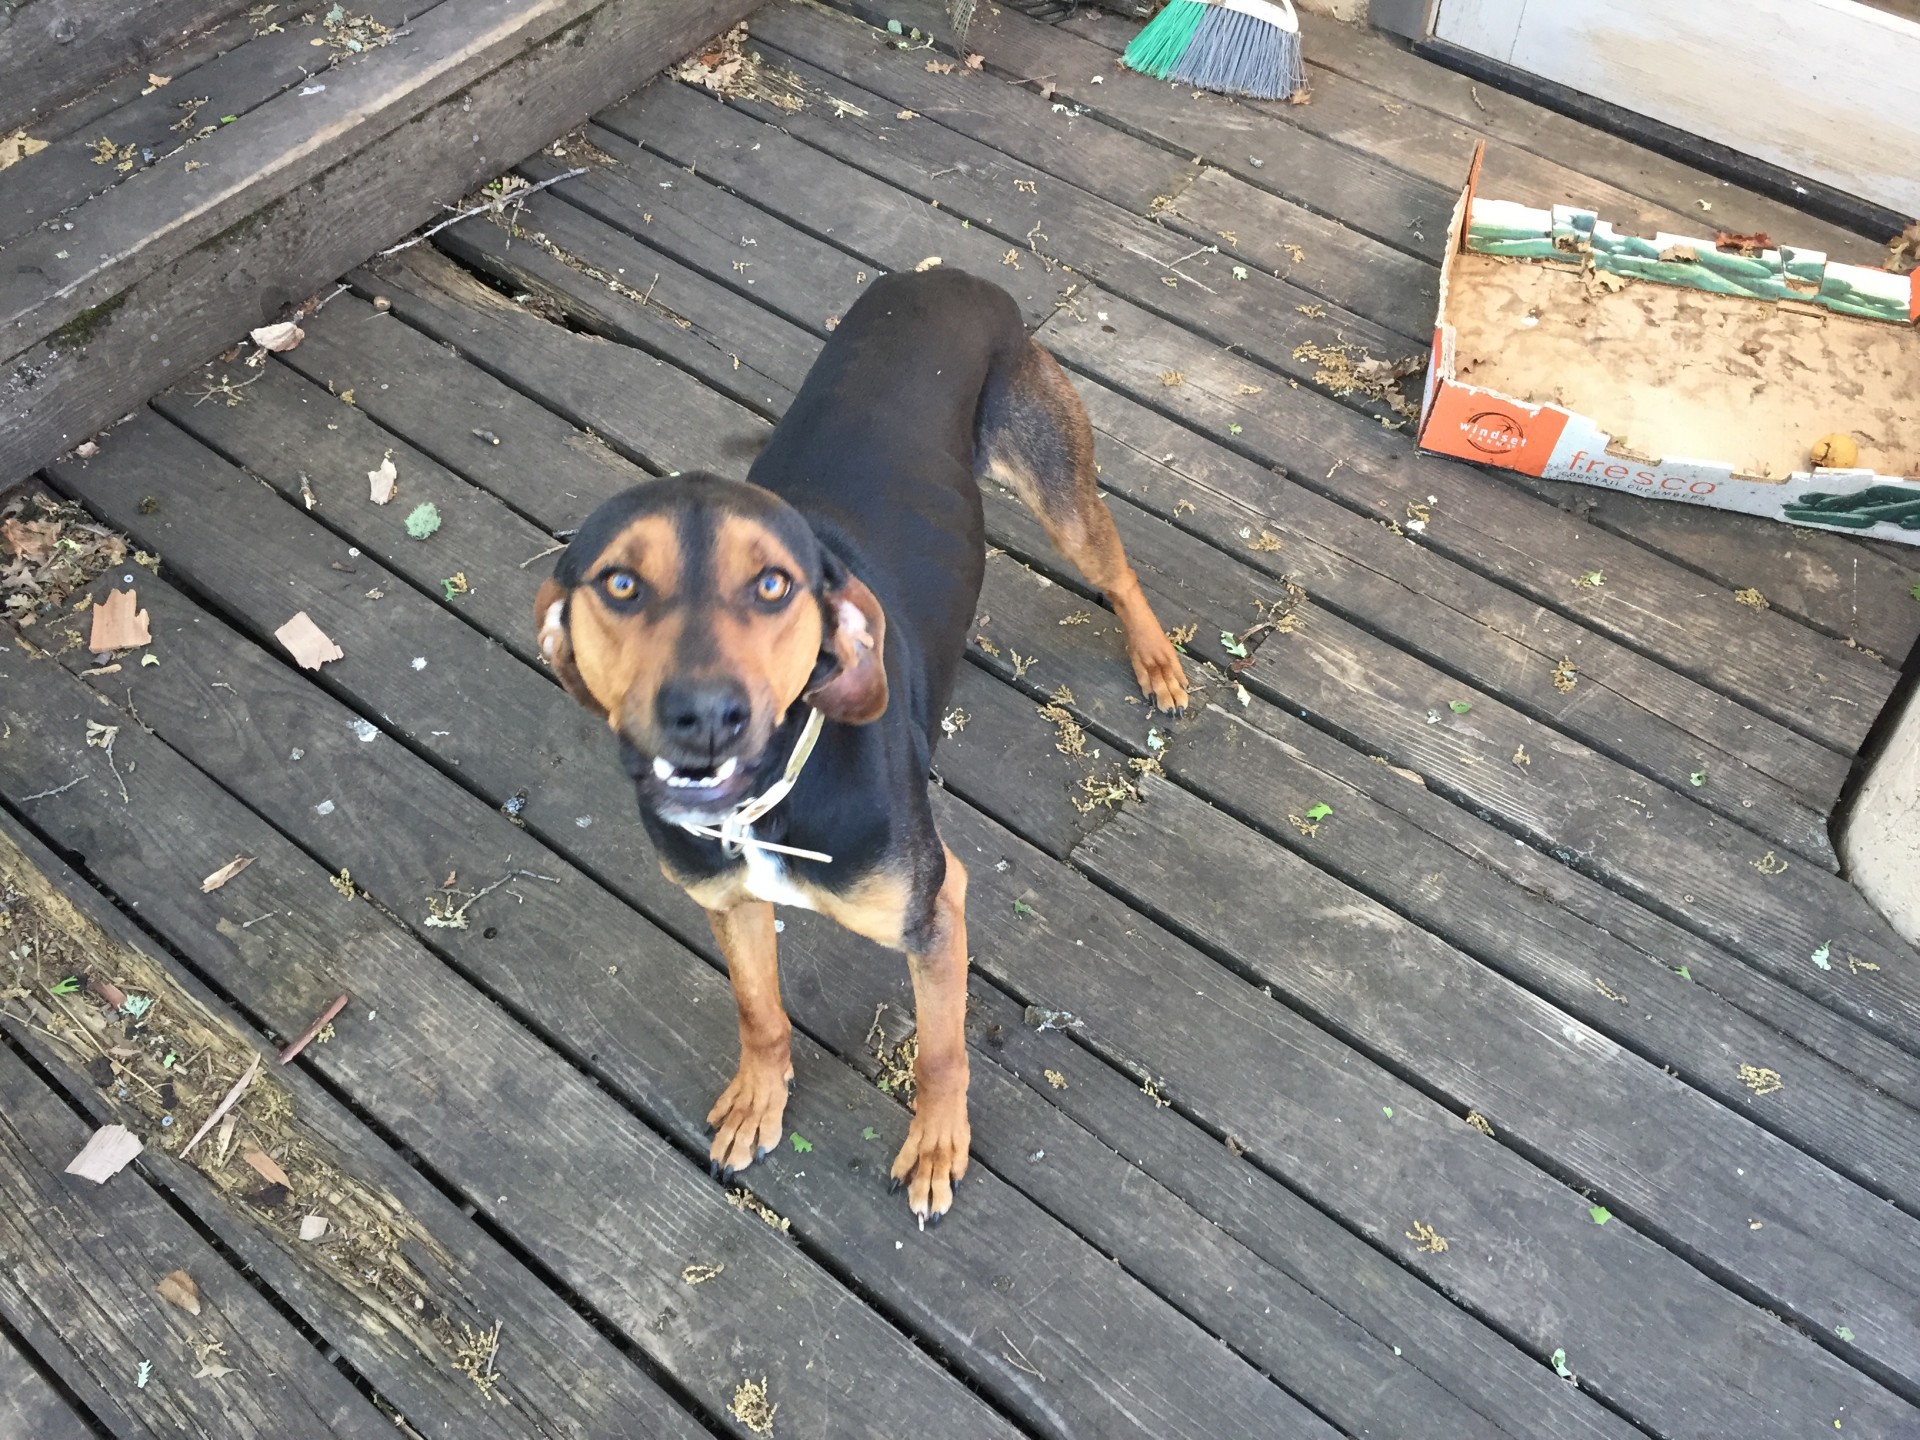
{"x": 1159, "y": 47}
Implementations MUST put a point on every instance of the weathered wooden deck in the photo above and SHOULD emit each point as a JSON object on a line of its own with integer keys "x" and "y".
{"x": 1557, "y": 1045}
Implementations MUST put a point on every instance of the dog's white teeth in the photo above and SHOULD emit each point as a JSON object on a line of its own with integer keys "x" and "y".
{"x": 661, "y": 769}
{"x": 725, "y": 772}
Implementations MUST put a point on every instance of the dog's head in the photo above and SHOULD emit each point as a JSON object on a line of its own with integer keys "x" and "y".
{"x": 693, "y": 613}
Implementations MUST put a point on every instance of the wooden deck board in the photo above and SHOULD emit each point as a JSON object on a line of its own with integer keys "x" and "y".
{"x": 565, "y": 1374}
{"x": 1321, "y": 1008}
{"x": 83, "y": 1264}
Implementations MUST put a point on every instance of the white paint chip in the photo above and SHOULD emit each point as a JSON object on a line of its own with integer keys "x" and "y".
{"x": 364, "y": 730}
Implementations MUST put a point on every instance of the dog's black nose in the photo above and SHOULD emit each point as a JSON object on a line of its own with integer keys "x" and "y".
{"x": 701, "y": 718}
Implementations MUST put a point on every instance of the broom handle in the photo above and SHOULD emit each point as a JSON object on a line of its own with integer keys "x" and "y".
{"x": 1275, "y": 12}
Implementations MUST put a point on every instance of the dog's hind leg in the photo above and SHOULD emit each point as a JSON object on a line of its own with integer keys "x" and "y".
{"x": 1033, "y": 436}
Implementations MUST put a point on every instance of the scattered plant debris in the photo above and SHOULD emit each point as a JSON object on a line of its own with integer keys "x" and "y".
{"x": 744, "y": 1199}
{"x": 801, "y": 1145}
{"x": 1480, "y": 1122}
{"x": 1761, "y": 1079}
{"x": 1903, "y": 251}
{"x": 321, "y": 1028}
{"x": 750, "y": 1405}
{"x": 1055, "y": 1079}
{"x": 1459, "y": 707}
{"x": 701, "y": 1274}
{"x": 1696, "y": 778}
{"x": 1070, "y": 737}
{"x": 475, "y": 1354}
{"x": 895, "y": 1062}
{"x": 1770, "y": 864}
{"x": 1346, "y": 369}
{"x": 954, "y": 721}
{"x": 726, "y": 67}
{"x": 1428, "y": 1241}
{"x": 1600, "y": 1214}
{"x": 1752, "y": 599}
{"x": 1559, "y": 1358}
{"x": 1607, "y": 990}
{"x": 51, "y": 549}
{"x": 423, "y": 520}
{"x": 1565, "y": 675}
{"x": 1821, "y": 954}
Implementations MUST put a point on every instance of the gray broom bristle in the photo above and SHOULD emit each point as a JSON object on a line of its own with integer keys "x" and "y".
{"x": 1236, "y": 54}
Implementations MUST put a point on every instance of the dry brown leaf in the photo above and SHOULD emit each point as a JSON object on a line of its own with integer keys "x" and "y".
{"x": 974, "y": 62}
{"x": 283, "y": 336}
{"x": 176, "y": 1287}
{"x": 385, "y": 481}
{"x": 928, "y": 263}
{"x": 268, "y": 1167}
{"x": 117, "y": 625}
{"x": 156, "y": 81}
{"x": 307, "y": 642}
{"x": 110, "y": 1150}
{"x": 31, "y": 540}
{"x": 225, "y": 873}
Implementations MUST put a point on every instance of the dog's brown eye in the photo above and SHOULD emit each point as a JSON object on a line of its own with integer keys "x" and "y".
{"x": 772, "y": 586}
{"x": 621, "y": 585}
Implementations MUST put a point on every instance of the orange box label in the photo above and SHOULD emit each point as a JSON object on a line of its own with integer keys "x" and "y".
{"x": 1476, "y": 425}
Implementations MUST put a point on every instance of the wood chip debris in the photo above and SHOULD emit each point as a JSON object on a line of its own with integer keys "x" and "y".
{"x": 107, "y": 1152}
{"x": 177, "y": 1288}
{"x": 307, "y": 642}
{"x": 232, "y": 1097}
{"x": 225, "y": 873}
{"x": 383, "y": 483}
{"x": 118, "y": 624}
{"x": 751, "y": 1408}
{"x": 277, "y": 338}
{"x": 312, "y": 1227}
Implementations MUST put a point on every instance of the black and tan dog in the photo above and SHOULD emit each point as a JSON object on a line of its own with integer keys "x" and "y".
{"x": 774, "y": 658}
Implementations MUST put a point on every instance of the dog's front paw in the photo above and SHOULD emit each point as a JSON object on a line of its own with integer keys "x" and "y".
{"x": 746, "y": 1117}
{"x": 1156, "y": 665}
{"x": 934, "y": 1157}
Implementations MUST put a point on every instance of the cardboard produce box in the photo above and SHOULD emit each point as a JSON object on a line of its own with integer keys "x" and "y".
{"x": 1729, "y": 371}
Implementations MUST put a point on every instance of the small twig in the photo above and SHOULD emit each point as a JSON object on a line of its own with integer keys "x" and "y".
{"x": 247, "y": 924}
{"x": 57, "y": 790}
{"x": 543, "y": 554}
{"x": 108, "y": 747}
{"x": 497, "y": 204}
{"x": 306, "y": 1036}
{"x": 1022, "y": 1363}
{"x": 1474, "y": 91}
{"x": 222, "y": 1108}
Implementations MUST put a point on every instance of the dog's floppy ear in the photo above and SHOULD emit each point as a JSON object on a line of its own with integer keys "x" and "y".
{"x": 556, "y": 644}
{"x": 850, "y": 682}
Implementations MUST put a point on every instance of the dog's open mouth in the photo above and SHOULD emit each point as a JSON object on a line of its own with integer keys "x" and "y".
{"x": 712, "y": 778}
{"x": 687, "y": 790}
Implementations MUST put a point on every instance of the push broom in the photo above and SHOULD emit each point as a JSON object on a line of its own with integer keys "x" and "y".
{"x": 1237, "y": 47}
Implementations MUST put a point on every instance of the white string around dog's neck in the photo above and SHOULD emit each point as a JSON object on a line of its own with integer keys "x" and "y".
{"x": 732, "y": 830}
